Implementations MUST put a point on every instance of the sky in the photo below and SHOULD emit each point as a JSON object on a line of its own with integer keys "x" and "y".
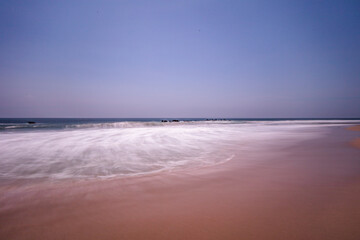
{"x": 230, "y": 59}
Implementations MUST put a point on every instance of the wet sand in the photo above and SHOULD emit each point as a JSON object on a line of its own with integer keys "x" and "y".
{"x": 356, "y": 142}
{"x": 354, "y": 128}
{"x": 310, "y": 190}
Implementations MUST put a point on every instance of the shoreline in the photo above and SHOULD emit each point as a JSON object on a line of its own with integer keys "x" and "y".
{"x": 308, "y": 190}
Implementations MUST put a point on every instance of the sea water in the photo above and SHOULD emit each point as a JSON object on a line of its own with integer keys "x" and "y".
{"x": 103, "y": 148}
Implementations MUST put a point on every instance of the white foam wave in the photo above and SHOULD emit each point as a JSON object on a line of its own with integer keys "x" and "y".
{"x": 135, "y": 124}
{"x": 118, "y": 150}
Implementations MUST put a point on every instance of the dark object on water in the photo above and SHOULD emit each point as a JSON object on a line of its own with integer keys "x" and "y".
{"x": 175, "y": 120}
{"x": 31, "y": 122}
{"x": 215, "y": 119}
{"x": 164, "y": 120}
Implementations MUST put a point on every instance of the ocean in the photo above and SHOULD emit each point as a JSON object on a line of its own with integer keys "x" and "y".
{"x": 74, "y": 148}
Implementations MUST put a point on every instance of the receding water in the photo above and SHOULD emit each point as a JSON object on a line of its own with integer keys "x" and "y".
{"x": 88, "y": 149}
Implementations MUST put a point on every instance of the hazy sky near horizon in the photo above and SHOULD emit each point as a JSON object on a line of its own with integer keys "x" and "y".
{"x": 179, "y": 58}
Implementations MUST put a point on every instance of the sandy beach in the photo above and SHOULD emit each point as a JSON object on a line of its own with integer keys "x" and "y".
{"x": 310, "y": 190}
{"x": 180, "y": 120}
{"x": 354, "y": 128}
{"x": 356, "y": 142}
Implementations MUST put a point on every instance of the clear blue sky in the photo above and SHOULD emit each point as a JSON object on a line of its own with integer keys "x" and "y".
{"x": 179, "y": 58}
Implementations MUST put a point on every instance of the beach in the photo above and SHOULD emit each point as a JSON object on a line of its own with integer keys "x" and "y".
{"x": 180, "y": 120}
{"x": 309, "y": 189}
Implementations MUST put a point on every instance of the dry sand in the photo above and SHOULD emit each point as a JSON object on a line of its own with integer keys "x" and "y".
{"x": 307, "y": 191}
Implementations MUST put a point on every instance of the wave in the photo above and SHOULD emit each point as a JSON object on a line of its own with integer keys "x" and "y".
{"x": 129, "y": 148}
{"x": 96, "y": 152}
{"x": 121, "y": 149}
{"x": 137, "y": 124}
{"x": 61, "y": 124}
